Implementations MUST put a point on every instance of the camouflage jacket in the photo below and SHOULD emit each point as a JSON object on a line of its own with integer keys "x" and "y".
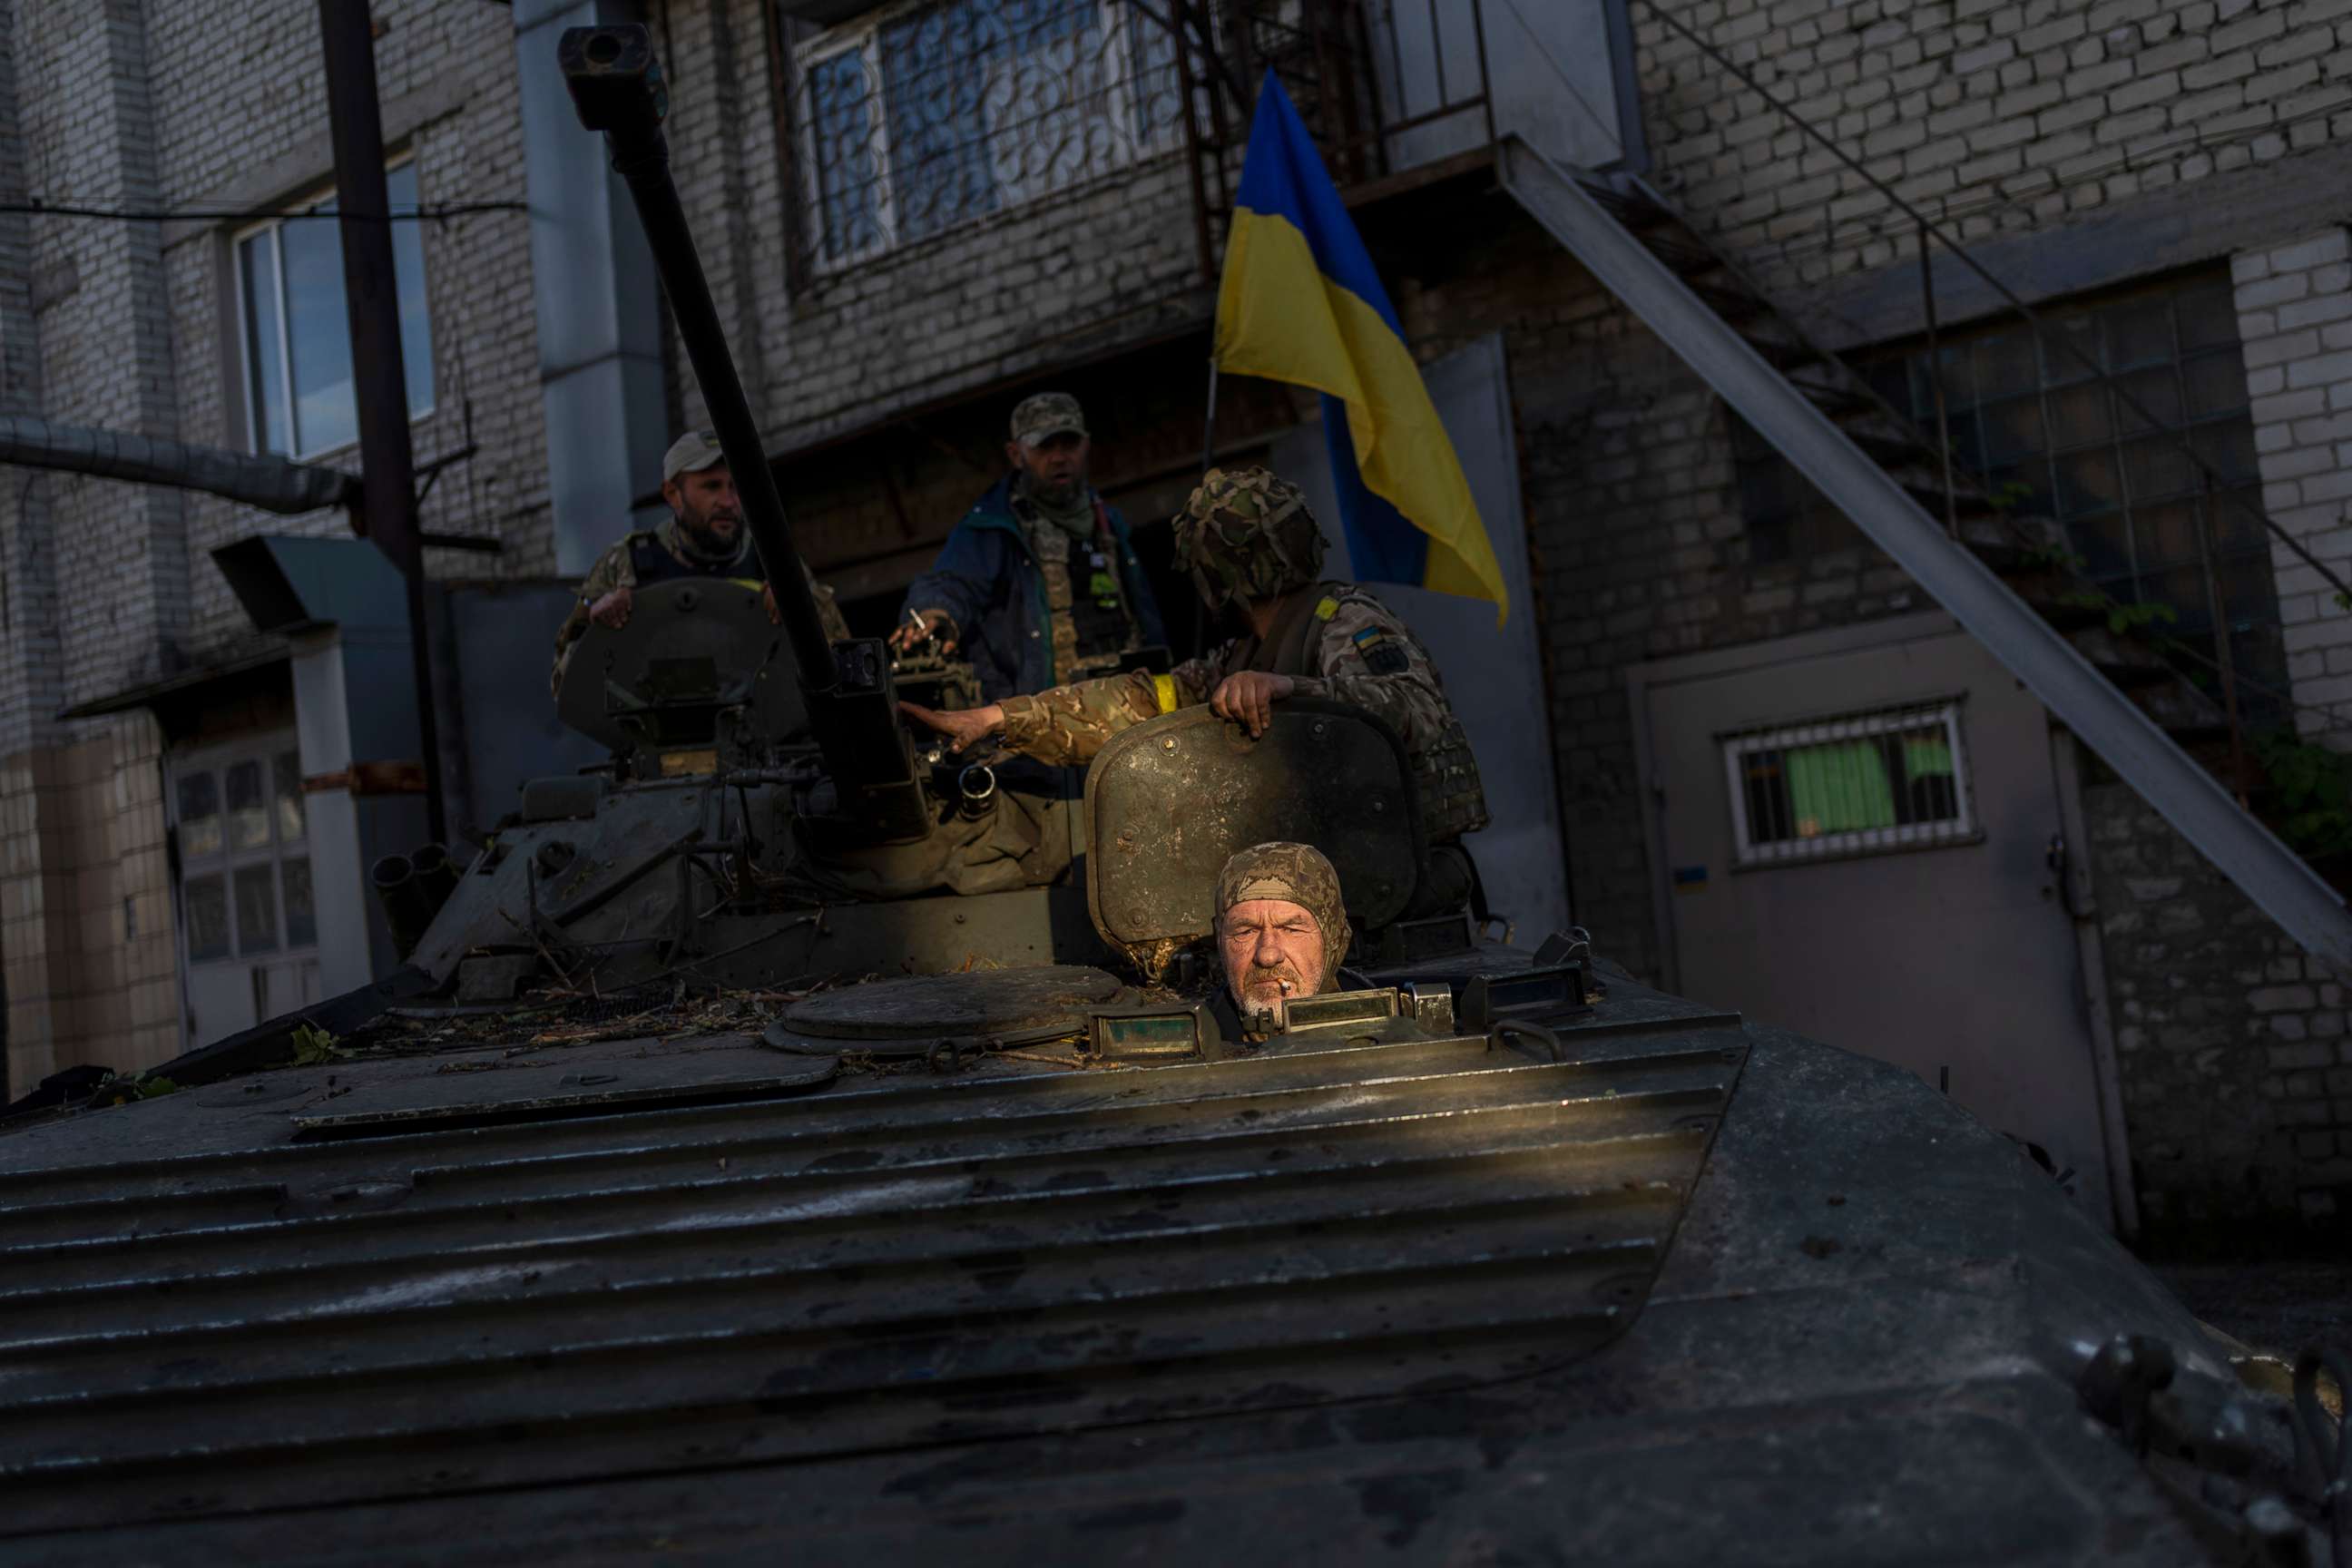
{"x": 1351, "y": 648}
{"x": 620, "y": 567}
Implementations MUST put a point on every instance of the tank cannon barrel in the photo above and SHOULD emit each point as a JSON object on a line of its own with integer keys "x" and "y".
{"x": 616, "y": 87}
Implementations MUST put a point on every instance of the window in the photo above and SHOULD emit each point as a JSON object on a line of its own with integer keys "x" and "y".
{"x": 2060, "y": 442}
{"x": 295, "y": 331}
{"x": 1866, "y": 783}
{"x": 245, "y": 859}
{"x": 927, "y": 115}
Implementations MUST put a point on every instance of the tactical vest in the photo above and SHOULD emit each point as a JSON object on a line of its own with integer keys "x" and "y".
{"x": 1101, "y": 624}
{"x": 653, "y": 563}
{"x": 1445, "y": 777}
{"x": 1098, "y": 605}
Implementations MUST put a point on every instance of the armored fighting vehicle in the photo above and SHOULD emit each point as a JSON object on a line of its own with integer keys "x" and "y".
{"x": 788, "y": 1145}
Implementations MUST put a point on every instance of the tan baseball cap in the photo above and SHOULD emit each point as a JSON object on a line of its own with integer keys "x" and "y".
{"x": 1049, "y": 414}
{"x": 690, "y": 454}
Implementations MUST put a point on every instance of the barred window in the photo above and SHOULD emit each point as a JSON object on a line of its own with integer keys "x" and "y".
{"x": 931, "y": 114}
{"x": 2056, "y": 440}
{"x": 1862, "y": 784}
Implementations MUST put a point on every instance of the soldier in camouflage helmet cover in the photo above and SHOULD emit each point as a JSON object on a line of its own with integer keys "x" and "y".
{"x": 1247, "y": 535}
{"x": 1282, "y": 927}
{"x": 705, "y": 537}
{"x": 1249, "y": 540}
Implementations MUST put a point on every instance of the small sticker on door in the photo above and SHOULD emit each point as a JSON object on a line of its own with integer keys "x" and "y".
{"x": 1690, "y": 878}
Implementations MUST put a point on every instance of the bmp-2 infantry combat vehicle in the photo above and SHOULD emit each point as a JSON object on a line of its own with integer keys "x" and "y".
{"x": 780, "y": 1148}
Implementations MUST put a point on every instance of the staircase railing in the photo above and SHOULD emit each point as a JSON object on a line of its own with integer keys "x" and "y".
{"x": 2214, "y": 485}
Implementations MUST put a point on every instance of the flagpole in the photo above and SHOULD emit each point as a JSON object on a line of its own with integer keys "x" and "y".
{"x": 1209, "y": 426}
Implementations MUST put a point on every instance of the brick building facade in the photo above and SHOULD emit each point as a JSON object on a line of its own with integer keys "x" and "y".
{"x": 2105, "y": 161}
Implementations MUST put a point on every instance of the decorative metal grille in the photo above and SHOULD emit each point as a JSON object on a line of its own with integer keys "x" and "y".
{"x": 927, "y": 115}
{"x": 2056, "y": 440}
{"x": 1866, "y": 783}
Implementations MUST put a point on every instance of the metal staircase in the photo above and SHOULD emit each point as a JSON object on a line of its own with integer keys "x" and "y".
{"x": 2112, "y": 692}
{"x": 2028, "y": 552}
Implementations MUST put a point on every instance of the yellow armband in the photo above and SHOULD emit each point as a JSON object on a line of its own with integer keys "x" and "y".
{"x": 1163, "y": 687}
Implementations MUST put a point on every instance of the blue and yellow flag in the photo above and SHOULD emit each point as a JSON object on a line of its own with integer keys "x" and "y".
{"x": 1300, "y": 302}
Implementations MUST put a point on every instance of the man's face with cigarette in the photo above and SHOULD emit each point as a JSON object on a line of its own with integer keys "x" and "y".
{"x": 1273, "y": 949}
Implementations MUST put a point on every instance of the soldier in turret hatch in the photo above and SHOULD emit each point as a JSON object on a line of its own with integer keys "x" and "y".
{"x": 1282, "y": 929}
{"x": 1251, "y": 543}
{"x": 704, "y": 538}
{"x": 1038, "y": 584}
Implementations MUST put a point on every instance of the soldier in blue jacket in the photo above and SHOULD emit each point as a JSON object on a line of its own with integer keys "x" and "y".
{"x": 1038, "y": 584}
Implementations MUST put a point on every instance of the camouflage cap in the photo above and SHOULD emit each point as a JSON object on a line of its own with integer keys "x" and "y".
{"x": 1247, "y": 534}
{"x": 690, "y": 454}
{"x": 1048, "y": 414}
{"x": 1296, "y": 874}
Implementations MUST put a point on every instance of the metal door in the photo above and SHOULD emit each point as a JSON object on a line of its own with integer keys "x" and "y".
{"x": 248, "y": 932}
{"x": 1852, "y": 834}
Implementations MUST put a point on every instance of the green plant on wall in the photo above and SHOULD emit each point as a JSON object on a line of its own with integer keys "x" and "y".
{"x": 2307, "y": 795}
{"x": 2122, "y": 619}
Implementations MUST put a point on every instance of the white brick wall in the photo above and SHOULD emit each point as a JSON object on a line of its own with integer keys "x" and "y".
{"x": 133, "y": 318}
{"x": 1101, "y": 263}
{"x": 2294, "y": 319}
{"x": 1997, "y": 116}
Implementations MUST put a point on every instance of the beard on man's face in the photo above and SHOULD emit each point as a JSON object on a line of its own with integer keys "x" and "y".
{"x": 715, "y": 527}
{"x": 1054, "y": 480}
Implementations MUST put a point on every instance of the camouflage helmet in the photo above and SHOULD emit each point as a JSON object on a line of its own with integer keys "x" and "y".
{"x": 1247, "y": 534}
{"x": 1296, "y": 874}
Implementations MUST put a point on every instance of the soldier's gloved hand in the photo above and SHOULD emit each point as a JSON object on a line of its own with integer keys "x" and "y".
{"x": 1249, "y": 697}
{"x": 613, "y": 609}
{"x": 934, "y": 624}
{"x": 962, "y": 727}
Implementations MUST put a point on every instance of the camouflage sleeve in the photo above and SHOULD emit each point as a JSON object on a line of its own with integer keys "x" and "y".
{"x": 1369, "y": 658}
{"x": 1068, "y": 725}
{"x": 613, "y": 570}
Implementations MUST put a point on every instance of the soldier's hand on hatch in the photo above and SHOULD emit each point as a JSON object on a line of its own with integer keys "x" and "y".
{"x": 613, "y": 609}
{"x": 909, "y": 633}
{"x": 1249, "y": 697}
{"x": 962, "y": 727}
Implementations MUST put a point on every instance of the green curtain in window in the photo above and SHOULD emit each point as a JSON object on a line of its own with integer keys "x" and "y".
{"x": 1926, "y": 753}
{"x": 1841, "y": 787}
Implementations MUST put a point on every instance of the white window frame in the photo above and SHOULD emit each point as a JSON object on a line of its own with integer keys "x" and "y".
{"x": 863, "y": 37}
{"x": 216, "y": 761}
{"x": 256, "y": 437}
{"x": 1738, "y": 745}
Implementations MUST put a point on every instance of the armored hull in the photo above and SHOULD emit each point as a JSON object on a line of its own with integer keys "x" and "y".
{"x": 1683, "y": 1289}
{"x": 640, "y": 1217}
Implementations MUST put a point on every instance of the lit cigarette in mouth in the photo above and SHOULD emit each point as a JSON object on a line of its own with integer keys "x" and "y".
{"x": 1286, "y": 986}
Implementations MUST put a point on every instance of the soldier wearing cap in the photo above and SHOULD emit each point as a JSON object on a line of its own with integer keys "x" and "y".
{"x": 1249, "y": 541}
{"x": 704, "y": 538}
{"x": 1281, "y": 929}
{"x": 1038, "y": 584}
